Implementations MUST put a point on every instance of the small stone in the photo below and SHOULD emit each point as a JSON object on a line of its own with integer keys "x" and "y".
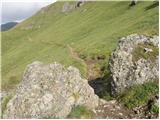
{"x": 106, "y": 105}
{"x": 102, "y": 101}
{"x": 99, "y": 111}
{"x": 121, "y": 114}
{"x": 113, "y": 101}
{"x": 94, "y": 111}
{"x": 148, "y": 50}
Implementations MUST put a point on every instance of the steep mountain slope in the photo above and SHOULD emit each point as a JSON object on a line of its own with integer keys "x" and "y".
{"x": 7, "y": 26}
{"x": 91, "y": 30}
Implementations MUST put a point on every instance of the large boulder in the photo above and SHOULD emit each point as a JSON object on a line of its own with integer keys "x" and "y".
{"x": 50, "y": 91}
{"x": 135, "y": 61}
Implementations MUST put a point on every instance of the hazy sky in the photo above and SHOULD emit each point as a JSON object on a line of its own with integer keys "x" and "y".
{"x": 18, "y": 10}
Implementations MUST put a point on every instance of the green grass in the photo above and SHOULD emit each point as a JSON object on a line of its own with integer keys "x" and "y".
{"x": 139, "y": 94}
{"x": 92, "y": 30}
{"x": 79, "y": 112}
{"x": 139, "y": 52}
{"x": 154, "y": 109}
{"x": 4, "y": 104}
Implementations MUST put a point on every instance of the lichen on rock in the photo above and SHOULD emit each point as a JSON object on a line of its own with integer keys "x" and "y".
{"x": 50, "y": 91}
{"x": 130, "y": 64}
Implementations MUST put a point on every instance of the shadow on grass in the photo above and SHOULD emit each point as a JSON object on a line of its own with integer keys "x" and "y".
{"x": 155, "y": 4}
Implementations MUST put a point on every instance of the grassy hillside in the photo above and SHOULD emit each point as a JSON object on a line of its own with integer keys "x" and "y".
{"x": 91, "y": 30}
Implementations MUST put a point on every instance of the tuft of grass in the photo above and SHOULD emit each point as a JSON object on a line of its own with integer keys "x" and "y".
{"x": 4, "y": 104}
{"x": 139, "y": 94}
{"x": 80, "y": 112}
{"x": 154, "y": 109}
{"x": 139, "y": 52}
{"x": 76, "y": 96}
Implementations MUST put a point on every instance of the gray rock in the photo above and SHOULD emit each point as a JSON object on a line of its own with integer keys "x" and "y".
{"x": 125, "y": 72}
{"x": 156, "y": 100}
{"x": 148, "y": 50}
{"x": 50, "y": 91}
{"x": 69, "y": 6}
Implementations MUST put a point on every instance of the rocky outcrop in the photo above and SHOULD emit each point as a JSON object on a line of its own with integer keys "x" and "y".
{"x": 131, "y": 64}
{"x": 50, "y": 91}
{"x": 69, "y": 6}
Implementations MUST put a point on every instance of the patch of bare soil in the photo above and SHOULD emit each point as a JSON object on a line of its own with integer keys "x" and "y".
{"x": 112, "y": 110}
{"x": 89, "y": 64}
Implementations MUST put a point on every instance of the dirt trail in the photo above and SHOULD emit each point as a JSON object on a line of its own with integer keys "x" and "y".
{"x": 112, "y": 110}
{"x": 88, "y": 64}
{"x": 74, "y": 54}
{"x": 106, "y": 109}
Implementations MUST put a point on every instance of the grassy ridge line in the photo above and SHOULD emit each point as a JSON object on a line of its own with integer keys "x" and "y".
{"x": 92, "y": 29}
